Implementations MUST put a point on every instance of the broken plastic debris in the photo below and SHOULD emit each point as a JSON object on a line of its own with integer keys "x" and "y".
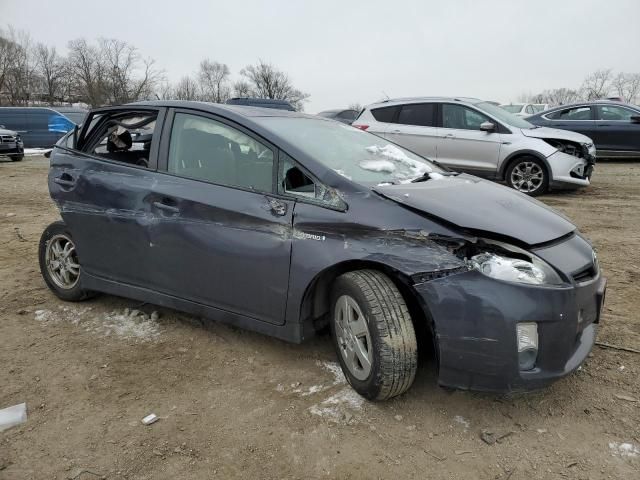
{"x": 12, "y": 416}
{"x": 149, "y": 419}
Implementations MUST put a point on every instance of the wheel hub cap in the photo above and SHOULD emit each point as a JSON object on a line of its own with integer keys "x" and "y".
{"x": 354, "y": 339}
{"x": 62, "y": 262}
{"x": 527, "y": 177}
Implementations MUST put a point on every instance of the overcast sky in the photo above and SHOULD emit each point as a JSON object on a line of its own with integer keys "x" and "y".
{"x": 342, "y": 52}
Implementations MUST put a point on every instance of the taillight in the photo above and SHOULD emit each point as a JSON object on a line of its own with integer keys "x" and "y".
{"x": 361, "y": 127}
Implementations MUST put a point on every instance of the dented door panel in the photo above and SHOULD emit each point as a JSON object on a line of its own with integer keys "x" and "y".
{"x": 221, "y": 246}
{"x": 105, "y": 206}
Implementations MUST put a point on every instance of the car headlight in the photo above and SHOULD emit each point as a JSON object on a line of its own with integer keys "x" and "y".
{"x": 522, "y": 267}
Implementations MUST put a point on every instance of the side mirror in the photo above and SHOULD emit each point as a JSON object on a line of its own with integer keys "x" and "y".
{"x": 487, "y": 126}
{"x": 635, "y": 119}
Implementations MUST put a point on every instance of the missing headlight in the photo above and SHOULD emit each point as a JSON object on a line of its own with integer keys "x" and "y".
{"x": 567, "y": 146}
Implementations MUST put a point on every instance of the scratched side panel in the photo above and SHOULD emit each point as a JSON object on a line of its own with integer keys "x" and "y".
{"x": 107, "y": 213}
{"x": 373, "y": 229}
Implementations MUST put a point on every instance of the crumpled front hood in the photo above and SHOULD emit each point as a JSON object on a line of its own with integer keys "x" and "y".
{"x": 475, "y": 204}
{"x": 544, "y": 132}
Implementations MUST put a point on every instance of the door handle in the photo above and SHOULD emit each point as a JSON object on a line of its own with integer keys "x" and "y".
{"x": 396, "y": 131}
{"x": 65, "y": 180}
{"x": 166, "y": 208}
{"x": 449, "y": 135}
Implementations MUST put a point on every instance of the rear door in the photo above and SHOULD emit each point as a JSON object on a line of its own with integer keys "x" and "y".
{"x": 103, "y": 192}
{"x": 615, "y": 130}
{"x": 461, "y": 143}
{"x": 579, "y": 119}
{"x": 220, "y": 235}
{"x": 415, "y": 129}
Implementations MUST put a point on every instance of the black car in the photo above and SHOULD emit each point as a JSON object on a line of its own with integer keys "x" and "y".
{"x": 11, "y": 145}
{"x": 614, "y": 127}
{"x": 345, "y": 116}
{"x": 38, "y": 127}
{"x": 261, "y": 102}
{"x": 285, "y": 223}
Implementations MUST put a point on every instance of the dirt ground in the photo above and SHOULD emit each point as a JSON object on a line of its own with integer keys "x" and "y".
{"x": 234, "y": 404}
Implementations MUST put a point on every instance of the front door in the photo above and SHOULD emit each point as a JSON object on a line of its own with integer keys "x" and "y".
{"x": 220, "y": 237}
{"x": 616, "y": 131}
{"x": 462, "y": 145}
{"x": 580, "y": 119}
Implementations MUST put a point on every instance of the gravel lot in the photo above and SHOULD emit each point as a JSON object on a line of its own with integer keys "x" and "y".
{"x": 234, "y": 404}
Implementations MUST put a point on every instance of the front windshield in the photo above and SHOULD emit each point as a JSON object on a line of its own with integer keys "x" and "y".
{"x": 357, "y": 155}
{"x": 512, "y": 108}
{"x": 501, "y": 114}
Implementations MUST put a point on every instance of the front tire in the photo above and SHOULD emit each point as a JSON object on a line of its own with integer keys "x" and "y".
{"x": 59, "y": 264}
{"x": 373, "y": 334}
{"x": 17, "y": 158}
{"x": 528, "y": 175}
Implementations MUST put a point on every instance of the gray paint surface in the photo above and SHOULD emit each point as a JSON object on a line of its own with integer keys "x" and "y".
{"x": 265, "y": 261}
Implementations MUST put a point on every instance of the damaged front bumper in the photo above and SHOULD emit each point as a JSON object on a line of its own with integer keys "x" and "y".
{"x": 569, "y": 170}
{"x": 475, "y": 318}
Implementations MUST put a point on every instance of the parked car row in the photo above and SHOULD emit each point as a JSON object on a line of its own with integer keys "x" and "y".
{"x": 477, "y": 137}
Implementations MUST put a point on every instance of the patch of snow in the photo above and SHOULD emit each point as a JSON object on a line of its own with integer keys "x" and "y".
{"x": 36, "y": 151}
{"x": 624, "y": 449}
{"x": 404, "y": 167}
{"x": 335, "y": 369}
{"x": 378, "y": 165}
{"x": 312, "y": 390}
{"x": 127, "y": 325}
{"x": 462, "y": 421}
{"x": 339, "y": 407}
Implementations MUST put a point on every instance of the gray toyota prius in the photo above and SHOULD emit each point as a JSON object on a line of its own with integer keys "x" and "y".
{"x": 287, "y": 224}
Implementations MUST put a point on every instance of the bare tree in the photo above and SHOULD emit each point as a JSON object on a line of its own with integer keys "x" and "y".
{"x": 266, "y": 81}
{"x": 597, "y": 85}
{"x": 19, "y": 78}
{"x": 8, "y": 53}
{"x": 214, "y": 81}
{"x": 49, "y": 68}
{"x": 186, "y": 89}
{"x": 355, "y": 106}
{"x": 89, "y": 69}
{"x": 241, "y": 88}
{"x": 627, "y": 85}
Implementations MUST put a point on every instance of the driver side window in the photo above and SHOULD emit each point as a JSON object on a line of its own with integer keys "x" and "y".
{"x": 462, "y": 118}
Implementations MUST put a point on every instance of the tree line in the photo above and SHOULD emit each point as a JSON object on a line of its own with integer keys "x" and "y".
{"x": 109, "y": 72}
{"x": 600, "y": 84}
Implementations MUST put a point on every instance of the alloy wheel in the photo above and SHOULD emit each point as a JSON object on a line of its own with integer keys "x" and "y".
{"x": 353, "y": 337}
{"x": 527, "y": 177}
{"x": 62, "y": 262}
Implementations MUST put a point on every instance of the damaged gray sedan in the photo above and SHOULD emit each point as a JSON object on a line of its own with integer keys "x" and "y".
{"x": 286, "y": 223}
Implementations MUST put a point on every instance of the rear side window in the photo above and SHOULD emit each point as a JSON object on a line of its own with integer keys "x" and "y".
{"x": 122, "y": 137}
{"x": 575, "y": 113}
{"x": 421, "y": 114}
{"x": 205, "y": 149}
{"x": 385, "y": 114}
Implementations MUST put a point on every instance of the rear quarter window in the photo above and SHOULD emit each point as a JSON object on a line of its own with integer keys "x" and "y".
{"x": 385, "y": 114}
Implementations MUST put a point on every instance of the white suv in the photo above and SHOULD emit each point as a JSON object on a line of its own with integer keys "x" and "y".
{"x": 477, "y": 137}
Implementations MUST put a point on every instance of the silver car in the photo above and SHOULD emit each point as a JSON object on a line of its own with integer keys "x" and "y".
{"x": 477, "y": 137}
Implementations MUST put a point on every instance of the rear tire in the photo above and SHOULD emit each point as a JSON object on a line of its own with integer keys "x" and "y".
{"x": 59, "y": 264}
{"x": 373, "y": 334}
{"x": 528, "y": 175}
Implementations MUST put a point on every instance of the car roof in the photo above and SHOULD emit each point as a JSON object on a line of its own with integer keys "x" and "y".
{"x": 222, "y": 108}
{"x": 403, "y": 100}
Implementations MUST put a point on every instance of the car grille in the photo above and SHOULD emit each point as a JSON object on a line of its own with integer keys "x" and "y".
{"x": 7, "y": 139}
